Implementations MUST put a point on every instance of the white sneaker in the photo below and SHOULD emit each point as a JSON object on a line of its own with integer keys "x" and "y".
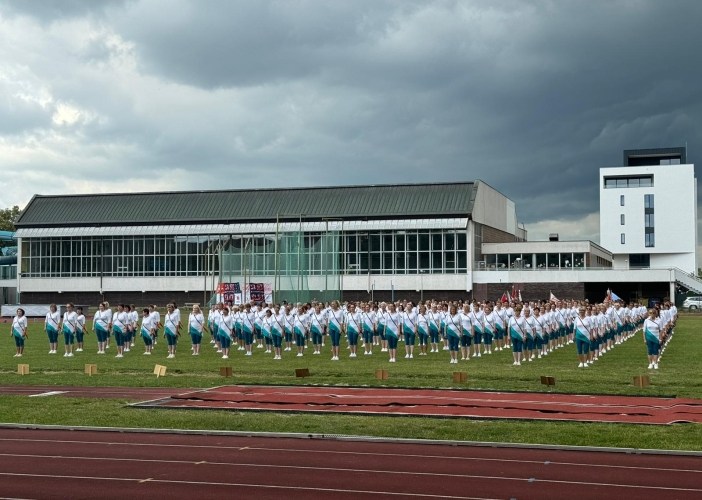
{"x": 65, "y": 354}
{"x": 655, "y": 366}
{"x": 132, "y": 344}
{"x": 146, "y": 353}
{"x": 223, "y": 357}
{"x": 479, "y": 355}
{"x": 518, "y": 363}
{"x": 411, "y": 356}
{"x": 370, "y": 353}
{"x": 119, "y": 356}
{"x": 539, "y": 356}
{"x": 299, "y": 354}
{"x": 126, "y": 349}
{"x": 249, "y": 353}
{"x": 196, "y": 354}
{"x": 383, "y": 350}
{"x": 170, "y": 356}
{"x": 352, "y": 355}
{"x": 514, "y": 364}
{"x": 580, "y": 365}
{"x": 79, "y": 350}
{"x": 650, "y": 366}
{"x": 219, "y": 351}
{"x": 531, "y": 359}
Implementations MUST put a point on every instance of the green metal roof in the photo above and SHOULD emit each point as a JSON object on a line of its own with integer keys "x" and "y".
{"x": 347, "y": 202}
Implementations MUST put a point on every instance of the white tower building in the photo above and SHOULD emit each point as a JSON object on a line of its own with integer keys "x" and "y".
{"x": 648, "y": 210}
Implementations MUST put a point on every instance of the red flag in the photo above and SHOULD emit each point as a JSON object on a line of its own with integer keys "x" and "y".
{"x": 514, "y": 293}
{"x": 505, "y": 297}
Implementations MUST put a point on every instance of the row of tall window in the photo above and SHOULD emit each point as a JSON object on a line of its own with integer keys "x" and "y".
{"x": 375, "y": 252}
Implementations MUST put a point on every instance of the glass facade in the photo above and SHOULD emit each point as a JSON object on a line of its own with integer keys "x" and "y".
{"x": 649, "y": 225}
{"x": 628, "y": 182}
{"x": 541, "y": 261}
{"x": 375, "y": 252}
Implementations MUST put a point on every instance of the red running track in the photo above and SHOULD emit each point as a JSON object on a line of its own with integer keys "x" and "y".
{"x": 41, "y": 464}
{"x": 440, "y": 403}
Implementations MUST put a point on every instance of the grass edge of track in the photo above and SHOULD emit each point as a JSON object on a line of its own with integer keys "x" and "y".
{"x": 115, "y": 413}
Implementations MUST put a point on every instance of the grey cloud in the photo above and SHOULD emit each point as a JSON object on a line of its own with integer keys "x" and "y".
{"x": 50, "y": 10}
{"x": 532, "y": 97}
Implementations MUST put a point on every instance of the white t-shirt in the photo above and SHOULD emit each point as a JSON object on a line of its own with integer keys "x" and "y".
{"x": 53, "y": 319}
{"x": 69, "y": 321}
{"x": 196, "y": 321}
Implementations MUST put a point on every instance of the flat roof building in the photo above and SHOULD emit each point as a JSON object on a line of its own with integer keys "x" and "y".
{"x": 414, "y": 241}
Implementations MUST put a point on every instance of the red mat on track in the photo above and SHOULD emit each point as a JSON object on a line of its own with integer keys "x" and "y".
{"x": 440, "y": 403}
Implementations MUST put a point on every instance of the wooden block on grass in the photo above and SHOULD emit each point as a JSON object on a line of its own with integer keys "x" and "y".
{"x": 642, "y": 381}
{"x": 302, "y": 372}
{"x": 23, "y": 369}
{"x": 91, "y": 370}
{"x": 381, "y": 374}
{"x": 460, "y": 377}
{"x": 548, "y": 381}
{"x": 225, "y": 371}
{"x": 159, "y": 371}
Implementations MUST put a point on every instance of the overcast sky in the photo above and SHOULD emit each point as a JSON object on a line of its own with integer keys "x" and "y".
{"x": 532, "y": 97}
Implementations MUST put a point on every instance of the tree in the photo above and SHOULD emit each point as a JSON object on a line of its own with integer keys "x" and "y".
{"x": 8, "y": 216}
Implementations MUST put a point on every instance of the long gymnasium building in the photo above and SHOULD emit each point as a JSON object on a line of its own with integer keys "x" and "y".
{"x": 402, "y": 241}
{"x": 352, "y": 242}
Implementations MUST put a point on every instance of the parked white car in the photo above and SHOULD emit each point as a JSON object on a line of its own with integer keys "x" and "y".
{"x": 692, "y": 303}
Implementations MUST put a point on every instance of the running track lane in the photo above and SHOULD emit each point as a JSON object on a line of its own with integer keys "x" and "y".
{"x": 39, "y": 464}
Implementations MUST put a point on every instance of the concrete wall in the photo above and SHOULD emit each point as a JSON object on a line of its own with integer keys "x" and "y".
{"x": 494, "y": 209}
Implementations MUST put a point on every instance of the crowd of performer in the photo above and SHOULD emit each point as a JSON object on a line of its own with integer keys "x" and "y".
{"x": 531, "y": 330}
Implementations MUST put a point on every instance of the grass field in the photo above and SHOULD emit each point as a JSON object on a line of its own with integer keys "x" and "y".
{"x": 679, "y": 375}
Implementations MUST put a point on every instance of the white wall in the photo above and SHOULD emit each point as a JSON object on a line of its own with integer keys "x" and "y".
{"x": 565, "y": 276}
{"x": 494, "y": 209}
{"x": 195, "y": 284}
{"x": 684, "y": 261}
{"x": 675, "y": 214}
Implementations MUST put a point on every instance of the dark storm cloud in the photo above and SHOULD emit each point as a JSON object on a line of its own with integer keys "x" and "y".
{"x": 532, "y": 97}
{"x": 49, "y": 10}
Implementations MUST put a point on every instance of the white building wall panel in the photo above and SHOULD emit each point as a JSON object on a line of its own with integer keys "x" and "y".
{"x": 675, "y": 213}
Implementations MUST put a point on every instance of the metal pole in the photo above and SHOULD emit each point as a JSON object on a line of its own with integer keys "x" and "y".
{"x": 299, "y": 244}
{"x": 343, "y": 256}
{"x": 324, "y": 245}
{"x": 276, "y": 278}
{"x": 204, "y": 288}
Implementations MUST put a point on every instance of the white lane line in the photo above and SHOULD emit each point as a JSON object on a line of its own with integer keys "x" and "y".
{"x": 247, "y": 485}
{"x": 328, "y": 469}
{"x": 50, "y": 393}
{"x": 361, "y": 453}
